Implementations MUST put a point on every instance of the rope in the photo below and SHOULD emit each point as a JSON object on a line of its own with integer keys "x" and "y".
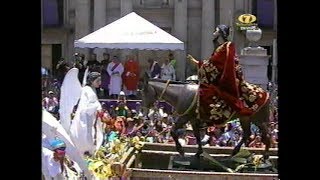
{"x": 165, "y": 89}
{"x": 190, "y": 107}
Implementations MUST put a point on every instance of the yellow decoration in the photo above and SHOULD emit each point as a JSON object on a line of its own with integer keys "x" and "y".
{"x": 105, "y": 163}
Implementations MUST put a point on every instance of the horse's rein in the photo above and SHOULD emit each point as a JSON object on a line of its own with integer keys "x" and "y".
{"x": 165, "y": 89}
{"x": 175, "y": 112}
{"x": 194, "y": 100}
{"x": 162, "y": 93}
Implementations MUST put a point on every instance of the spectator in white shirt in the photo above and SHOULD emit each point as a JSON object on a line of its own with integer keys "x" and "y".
{"x": 167, "y": 71}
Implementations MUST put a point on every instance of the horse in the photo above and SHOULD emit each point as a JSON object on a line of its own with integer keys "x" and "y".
{"x": 183, "y": 97}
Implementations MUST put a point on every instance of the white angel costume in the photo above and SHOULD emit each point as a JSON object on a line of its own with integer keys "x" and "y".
{"x": 69, "y": 96}
{"x": 86, "y": 130}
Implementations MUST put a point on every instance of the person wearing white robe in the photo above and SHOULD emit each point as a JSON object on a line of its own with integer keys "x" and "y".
{"x": 167, "y": 71}
{"x": 86, "y": 128}
{"x": 55, "y": 164}
{"x": 51, "y": 169}
{"x": 115, "y": 70}
{"x": 52, "y": 160}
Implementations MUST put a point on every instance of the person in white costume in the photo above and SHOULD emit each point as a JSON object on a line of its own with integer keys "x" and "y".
{"x": 167, "y": 71}
{"x": 86, "y": 127}
{"x": 56, "y": 165}
{"x": 53, "y": 160}
{"x": 52, "y": 130}
{"x": 115, "y": 70}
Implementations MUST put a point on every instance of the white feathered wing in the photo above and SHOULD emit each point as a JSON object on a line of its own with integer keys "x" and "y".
{"x": 84, "y": 81}
{"x": 69, "y": 97}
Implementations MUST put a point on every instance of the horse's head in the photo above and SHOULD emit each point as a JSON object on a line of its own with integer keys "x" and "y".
{"x": 148, "y": 93}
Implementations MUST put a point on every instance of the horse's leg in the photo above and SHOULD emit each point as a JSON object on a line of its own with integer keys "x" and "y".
{"x": 262, "y": 121}
{"x": 245, "y": 124}
{"x": 196, "y": 131}
{"x": 175, "y": 135}
{"x": 265, "y": 138}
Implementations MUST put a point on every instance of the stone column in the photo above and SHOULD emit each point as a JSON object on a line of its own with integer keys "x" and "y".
{"x": 254, "y": 61}
{"x": 100, "y": 20}
{"x": 230, "y": 10}
{"x": 180, "y": 32}
{"x": 250, "y": 6}
{"x": 41, "y": 15}
{"x": 239, "y": 38}
{"x": 275, "y": 62}
{"x": 71, "y": 27}
{"x": 82, "y": 24}
{"x": 208, "y": 25}
{"x": 126, "y": 7}
{"x": 275, "y": 15}
{"x": 226, "y": 11}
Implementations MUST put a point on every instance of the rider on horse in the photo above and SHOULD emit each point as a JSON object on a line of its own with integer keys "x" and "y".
{"x": 223, "y": 90}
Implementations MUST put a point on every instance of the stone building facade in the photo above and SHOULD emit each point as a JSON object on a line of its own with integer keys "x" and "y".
{"x": 191, "y": 21}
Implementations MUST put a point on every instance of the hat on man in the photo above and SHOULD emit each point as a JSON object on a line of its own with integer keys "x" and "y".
{"x": 122, "y": 93}
{"x": 58, "y": 144}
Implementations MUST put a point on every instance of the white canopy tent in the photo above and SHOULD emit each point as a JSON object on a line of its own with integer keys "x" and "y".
{"x": 130, "y": 32}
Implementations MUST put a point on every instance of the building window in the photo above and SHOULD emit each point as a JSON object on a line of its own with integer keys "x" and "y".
{"x": 56, "y": 55}
{"x": 52, "y": 13}
{"x": 264, "y": 11}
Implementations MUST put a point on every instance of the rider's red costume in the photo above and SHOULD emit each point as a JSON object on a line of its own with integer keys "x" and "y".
{"x": 223, "y": 91}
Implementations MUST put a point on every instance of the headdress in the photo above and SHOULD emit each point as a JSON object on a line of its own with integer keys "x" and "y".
{"x": 92, "y": 76}
{"x": 224, "y": 31}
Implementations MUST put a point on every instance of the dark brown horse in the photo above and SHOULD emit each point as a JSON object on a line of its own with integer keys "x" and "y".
{"x": 183, "y": 97}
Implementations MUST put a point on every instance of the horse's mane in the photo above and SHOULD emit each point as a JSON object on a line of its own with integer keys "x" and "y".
{"x": 165, "y": 81}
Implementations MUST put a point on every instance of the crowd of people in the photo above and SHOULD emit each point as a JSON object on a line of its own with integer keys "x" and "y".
{"x": 116, "y": 75}
{"x": 154, "y": 125}
{"x": 95, "y": 123}
{"x": 120, "y": 81}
